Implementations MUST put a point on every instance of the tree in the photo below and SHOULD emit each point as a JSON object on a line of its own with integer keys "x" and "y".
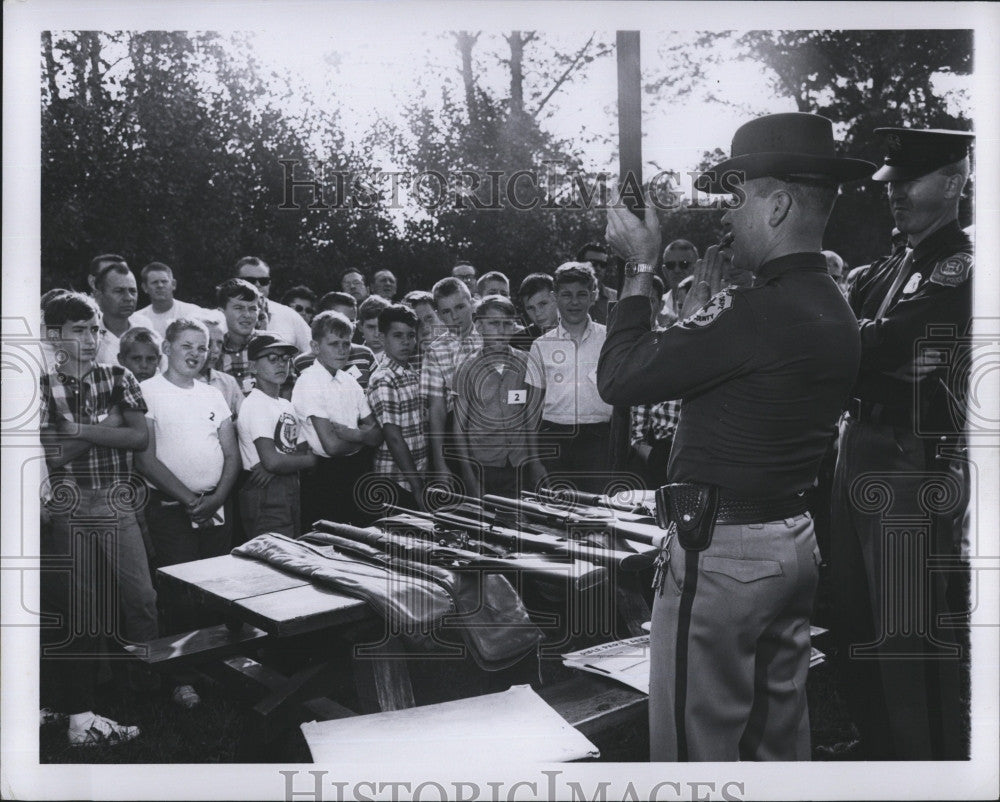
{"x": 861, "y": 80}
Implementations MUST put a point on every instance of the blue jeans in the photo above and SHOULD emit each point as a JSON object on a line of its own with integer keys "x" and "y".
{"x": 97, "y": 581}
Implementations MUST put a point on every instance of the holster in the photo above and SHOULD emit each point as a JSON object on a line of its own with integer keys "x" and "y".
{"x": 692, "y": 509}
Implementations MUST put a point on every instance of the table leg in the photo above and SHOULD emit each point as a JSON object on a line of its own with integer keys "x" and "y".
{"x": 382, "y": 677}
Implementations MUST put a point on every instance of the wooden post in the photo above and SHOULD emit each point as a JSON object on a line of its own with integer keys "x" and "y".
{"x": 630, "y": 176}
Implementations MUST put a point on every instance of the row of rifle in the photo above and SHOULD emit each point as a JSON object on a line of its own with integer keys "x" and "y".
{"x": 553, "y": 538}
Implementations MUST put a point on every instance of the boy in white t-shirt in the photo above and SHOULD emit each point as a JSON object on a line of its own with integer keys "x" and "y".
{"x": 192, "y": 460}
{"x": 269, "y": 444}
{"x": 338, "y": 424}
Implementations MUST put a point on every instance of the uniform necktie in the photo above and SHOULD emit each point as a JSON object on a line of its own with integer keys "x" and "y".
{"x": 904, "y": 268}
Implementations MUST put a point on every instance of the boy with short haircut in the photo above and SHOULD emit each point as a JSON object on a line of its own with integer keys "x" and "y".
{"x": 493, "y": 283}
{"x": 269, "y": 444}
{"x": 394, "y": 396}
{"x": 563, "y": 364}
{"x": 91, "y": 422}
{"x": 240, "y": 303}
{"x": 361, "y": 361}
{"x": 538, "y": 299}
{"x": 495, "y": 409}
{"x": 368, "y": 311}
{"x": 430, "y": 325}
{"x": 210, "y": 374}
{"x": 139, "y": 351}
{"x": 336, "y": 421}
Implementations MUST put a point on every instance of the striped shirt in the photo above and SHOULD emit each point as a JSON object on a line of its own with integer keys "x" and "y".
{"x": 88, "y": 400}
{"x": 394, "y": 396}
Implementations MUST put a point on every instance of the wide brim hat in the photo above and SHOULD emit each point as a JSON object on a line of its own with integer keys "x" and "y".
{"x": 792, "y": 145}
{"x": 914, "y": 152}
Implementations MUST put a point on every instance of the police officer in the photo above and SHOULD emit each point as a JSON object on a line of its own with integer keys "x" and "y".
{"x": 763, "y": 371}
{"x": 900, "y": 483}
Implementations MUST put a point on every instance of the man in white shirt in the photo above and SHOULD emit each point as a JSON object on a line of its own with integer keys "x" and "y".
{"x": 282, "y": 321}
{"x": 159, "y": 284}
{"x": 116, "y": 293}
{"x": 563, "y": 363}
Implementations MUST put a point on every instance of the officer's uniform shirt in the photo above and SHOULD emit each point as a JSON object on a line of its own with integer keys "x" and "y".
{"x": 936, "y": 291}
{"x": 763, "y": 372}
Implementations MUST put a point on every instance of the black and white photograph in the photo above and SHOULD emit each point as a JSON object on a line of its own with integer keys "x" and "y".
{"x": 500, "y": 401}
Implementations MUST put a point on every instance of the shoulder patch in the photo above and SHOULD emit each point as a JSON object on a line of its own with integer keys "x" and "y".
{"x": 711, "y": 311}
{"x": 952, "y": 271}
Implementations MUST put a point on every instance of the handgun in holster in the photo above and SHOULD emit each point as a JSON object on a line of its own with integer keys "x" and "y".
{"x": 692, "y": 508}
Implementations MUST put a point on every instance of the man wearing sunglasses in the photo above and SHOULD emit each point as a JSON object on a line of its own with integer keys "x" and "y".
{"x": 302, "y": 300}
{"x": 679, "y": 259}
{"x": 597, "y": 255}
{"x": 278, "y": 319}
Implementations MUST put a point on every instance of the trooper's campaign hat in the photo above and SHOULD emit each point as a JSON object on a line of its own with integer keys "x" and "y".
{"x": 792, "y": 145}
{"x": 914, "y": 152}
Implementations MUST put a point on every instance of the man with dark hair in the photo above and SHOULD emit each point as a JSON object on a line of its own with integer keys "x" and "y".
{"x": 466, "y": 273}
{"x": 282, "y": 321}
{"x": 301, "y": 299}
{"x": 905, "y": 429}
{"x": 354, "y": 282}
{"x": 116, "y": 294}
{"x": 538, "y": 299}
{"x": 97, "y": 265}
{"x": 763, "y": 372}
{"x": 159, "y": 284}
{"x": 563, "y": 366}
{"x": 597, "y": 255}
{"x": 445, "y": 354}
{"x": 384, "y": 284}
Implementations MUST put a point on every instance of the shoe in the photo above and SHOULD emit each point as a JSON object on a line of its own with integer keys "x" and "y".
{"x": 102, "y": 732}
{"x": 185, "y": 696}
{"x": 47, "y": 715}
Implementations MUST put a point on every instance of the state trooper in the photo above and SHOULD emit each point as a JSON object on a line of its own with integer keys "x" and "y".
{"x": 763, "y": 371}
{"x": 900, "y": 487}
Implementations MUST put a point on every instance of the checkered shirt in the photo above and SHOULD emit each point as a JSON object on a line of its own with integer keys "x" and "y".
{"x": 443, "y": 357}
{"x": 394, "y": 396}
{"x": 237, "y": 364}
{"x": 88, "y": 400}
{"x": 652, "y": 422}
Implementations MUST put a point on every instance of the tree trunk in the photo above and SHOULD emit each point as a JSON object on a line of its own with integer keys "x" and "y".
{"x": 516, "y": 73}
{"x": 466, "y": 41}
{"x": 50, "y": 66}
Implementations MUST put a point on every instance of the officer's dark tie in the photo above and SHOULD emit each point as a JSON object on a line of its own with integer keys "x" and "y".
{"x": 904, "y": 268}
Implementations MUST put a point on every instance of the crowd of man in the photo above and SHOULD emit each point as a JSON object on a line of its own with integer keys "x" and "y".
{"x": 247, "y": 416}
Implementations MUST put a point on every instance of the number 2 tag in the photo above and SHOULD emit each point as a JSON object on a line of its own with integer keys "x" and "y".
{"x": 517, "y": 397}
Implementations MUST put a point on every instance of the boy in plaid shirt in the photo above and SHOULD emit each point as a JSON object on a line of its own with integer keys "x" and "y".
{"x": 394, "y": 396}
{"x": 92, "y": 419}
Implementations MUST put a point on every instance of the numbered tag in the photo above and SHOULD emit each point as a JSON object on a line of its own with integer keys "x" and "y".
{"x": 517, "y": 396}
{"x": 354, "y": 371}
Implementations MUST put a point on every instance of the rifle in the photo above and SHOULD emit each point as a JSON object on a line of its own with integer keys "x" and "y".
{"x": 417, "y": 540}
{"x": 533, "y": 514}
{"x": 582, "y": 502}
{"x": 550, "y": 531}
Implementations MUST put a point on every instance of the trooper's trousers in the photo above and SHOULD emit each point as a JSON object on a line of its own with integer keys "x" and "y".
{"x": 730, "y": 646}
{"x": 899, "y": 623}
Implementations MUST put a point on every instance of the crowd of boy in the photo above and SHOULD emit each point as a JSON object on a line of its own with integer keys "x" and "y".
{"x": 254, "y": 416}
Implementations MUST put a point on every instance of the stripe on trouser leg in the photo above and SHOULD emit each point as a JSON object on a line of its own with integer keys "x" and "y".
{"x": 681, "y": 664}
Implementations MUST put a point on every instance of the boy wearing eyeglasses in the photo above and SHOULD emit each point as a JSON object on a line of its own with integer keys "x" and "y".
{"x": 272, "y": 455}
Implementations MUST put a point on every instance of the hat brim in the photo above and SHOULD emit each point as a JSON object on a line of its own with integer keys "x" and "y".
{"x": 895, "y": 172}
{"x": 291, "y": 350}
{"x": 758, "y": 165}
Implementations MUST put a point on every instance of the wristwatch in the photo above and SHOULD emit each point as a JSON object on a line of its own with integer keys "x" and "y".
{"x": 633, "y": 267}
